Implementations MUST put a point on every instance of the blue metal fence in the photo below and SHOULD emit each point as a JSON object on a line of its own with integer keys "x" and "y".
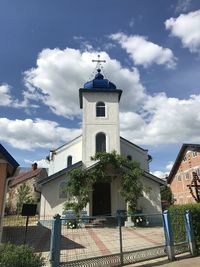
{"x": 74, "y": 240}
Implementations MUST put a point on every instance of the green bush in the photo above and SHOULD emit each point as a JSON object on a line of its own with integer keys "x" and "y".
{"x": 19, "y": 256}
{"x": 178, "y": 225}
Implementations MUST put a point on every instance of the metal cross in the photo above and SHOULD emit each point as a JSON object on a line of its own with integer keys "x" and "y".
{"x": 98, "y": 60}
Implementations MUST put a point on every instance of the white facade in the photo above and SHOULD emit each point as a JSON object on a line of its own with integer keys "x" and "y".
{"x": 58, "y": 158}
{"x": 84, "y": 147}
{"x": 92, "y": 125}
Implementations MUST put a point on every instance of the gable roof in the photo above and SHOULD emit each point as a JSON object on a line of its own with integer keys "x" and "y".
{"x": 154, "y": 178}
{"x": 8, "y": 157}
{"x": 132, "y": 144}
{"x": 179, "y": 158}
{"x": 25, "y": 176}
{"x": 60, "y": 173}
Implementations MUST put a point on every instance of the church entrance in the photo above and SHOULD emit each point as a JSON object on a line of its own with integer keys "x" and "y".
{"x": 101, "y": 199}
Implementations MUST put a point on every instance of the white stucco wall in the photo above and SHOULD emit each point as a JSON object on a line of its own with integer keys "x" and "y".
{"x": 92, "y": 125}
{"x": 136, "y": 153}
{"x": 150, "y": 203}
{"x": 59, "y": 158}
{"x": 51, "y": 204}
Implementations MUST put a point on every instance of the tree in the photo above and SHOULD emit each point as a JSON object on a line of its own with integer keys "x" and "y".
{"x": 166, "y": 195}
{"x": 23, "y": 196}
{"x": 109, "y": 166}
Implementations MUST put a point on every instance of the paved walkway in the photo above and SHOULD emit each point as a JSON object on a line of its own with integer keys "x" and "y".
{"x": 180, "y": 262}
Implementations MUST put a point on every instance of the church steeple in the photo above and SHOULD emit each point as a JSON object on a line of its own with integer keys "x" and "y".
{"x": 99, "y": 99}
{"x": 99, "y": 84}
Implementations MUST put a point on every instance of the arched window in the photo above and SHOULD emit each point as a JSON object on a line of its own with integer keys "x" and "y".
{"x": 62, "y": 190}
{"x": 100, "y": 142}
{"x": 100, "y": 109}
{"x": 69, "y": 161}
{"x": 129, "y": 157}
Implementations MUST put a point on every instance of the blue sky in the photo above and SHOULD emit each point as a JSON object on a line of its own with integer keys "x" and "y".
{"x": 152, "y": 49}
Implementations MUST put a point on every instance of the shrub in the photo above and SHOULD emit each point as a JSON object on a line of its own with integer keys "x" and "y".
{"x": 19, "y": 256}
{"x": 178, "y": 225}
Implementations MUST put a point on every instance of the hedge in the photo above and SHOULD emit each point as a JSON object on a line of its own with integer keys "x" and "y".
{"x": 178, "y": 224}
{"x": 19, "y": 256}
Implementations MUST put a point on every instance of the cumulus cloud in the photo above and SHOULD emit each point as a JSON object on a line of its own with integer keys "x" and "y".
{"x": 183, "y": 5}
{"x": 5, "y": 97}
{"x": 60, "y": 73}
{"x": 144, "y": 52}
{"x": 29, "y": 134}
{"x": 7, "y": 100}
{"x": 187, "y": 28}
{"x": 164, "y": 174}
{"x": 144, "y": 119}
{"x": 43, "y": 163}
{"x": 160, "y": 174}
{"x": 164, "y": 120}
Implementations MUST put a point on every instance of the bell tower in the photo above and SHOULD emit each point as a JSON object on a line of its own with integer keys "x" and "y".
{"x": 99, "y": 99}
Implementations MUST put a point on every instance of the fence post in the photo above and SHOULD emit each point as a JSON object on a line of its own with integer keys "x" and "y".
{"x": 190, "y": 233}
{"x": 168, "y": 235}
{"x": 119, "y": 219}
{"x": 55, "y": 242}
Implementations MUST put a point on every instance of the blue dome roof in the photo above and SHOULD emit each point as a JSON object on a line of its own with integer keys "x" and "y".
{"x": 99, "y": 82}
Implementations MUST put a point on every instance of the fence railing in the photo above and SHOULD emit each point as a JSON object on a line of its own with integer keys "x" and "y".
{"x": 113, "y": 241}
{"x": 37, "y": 235}
{"x": 105, "y": 240}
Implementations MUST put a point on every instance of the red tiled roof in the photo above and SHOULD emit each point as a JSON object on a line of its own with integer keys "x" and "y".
{"x": 25, "y": 176}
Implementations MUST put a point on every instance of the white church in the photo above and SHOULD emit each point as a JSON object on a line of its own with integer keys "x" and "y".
{"x": 99, "y": 100}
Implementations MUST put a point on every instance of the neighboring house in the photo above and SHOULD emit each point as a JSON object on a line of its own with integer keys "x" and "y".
{"x": 8, "y": 167}
{"x": 99, "y": 100}
{"x": 180, "y": 177}
{"x": 30, "y": 179}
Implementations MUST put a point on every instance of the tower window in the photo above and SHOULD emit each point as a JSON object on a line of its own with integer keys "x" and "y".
{"x": 69, "y": 161}
{"x": 100, "y": 109}
{"x": 100, "y": 142}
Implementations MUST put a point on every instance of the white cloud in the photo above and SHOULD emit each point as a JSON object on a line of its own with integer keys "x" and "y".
{"x": 164, "y": 174}
{"x": 7, "y": 100}
{"x": 169, "y": 166}
{"x": 29, "y": 134}
{"x": 144, "y": 119}
{"x": 187, "y": 28}
{"x": 160, "y": 174}
{"x": 144, "y": 52}
{"x": 60, "y": 73}
{"x": 43, "y": 163}
{"x": 164, "y": 120}
{"x": 183, "y": 5}
{"x": 5, "y": 97}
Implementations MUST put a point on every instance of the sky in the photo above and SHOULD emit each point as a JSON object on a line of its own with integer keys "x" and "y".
{"x": 152, "y": 53}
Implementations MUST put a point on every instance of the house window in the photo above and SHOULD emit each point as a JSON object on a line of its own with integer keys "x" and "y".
{"x": 129, "y": 157}
{"x": 187, "y": 176}
{"x": 194, "y": 154}
{"x": 62, "y": 190}
{"x": 100, "y": 142}
{"x": 184, "y": 158}
{"x": 179, "y": 177}
{"x": 69, "y": 161}
{"x": 198, "y": 172}
{"x": 100, "y": 109}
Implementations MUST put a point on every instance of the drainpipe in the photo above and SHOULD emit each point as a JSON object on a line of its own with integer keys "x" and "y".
{"x": 4, "y": 205}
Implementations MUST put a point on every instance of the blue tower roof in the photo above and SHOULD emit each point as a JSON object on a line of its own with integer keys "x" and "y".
{"x": 99, "y": 82}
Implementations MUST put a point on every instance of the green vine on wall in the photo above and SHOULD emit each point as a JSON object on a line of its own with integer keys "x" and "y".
{"x": 108, "y": 166}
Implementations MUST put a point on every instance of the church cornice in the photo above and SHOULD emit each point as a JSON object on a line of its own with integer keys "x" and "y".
{"x": 98, "y": 90}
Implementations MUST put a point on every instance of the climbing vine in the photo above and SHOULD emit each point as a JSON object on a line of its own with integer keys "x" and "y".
{"x": 108, "y": 166}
